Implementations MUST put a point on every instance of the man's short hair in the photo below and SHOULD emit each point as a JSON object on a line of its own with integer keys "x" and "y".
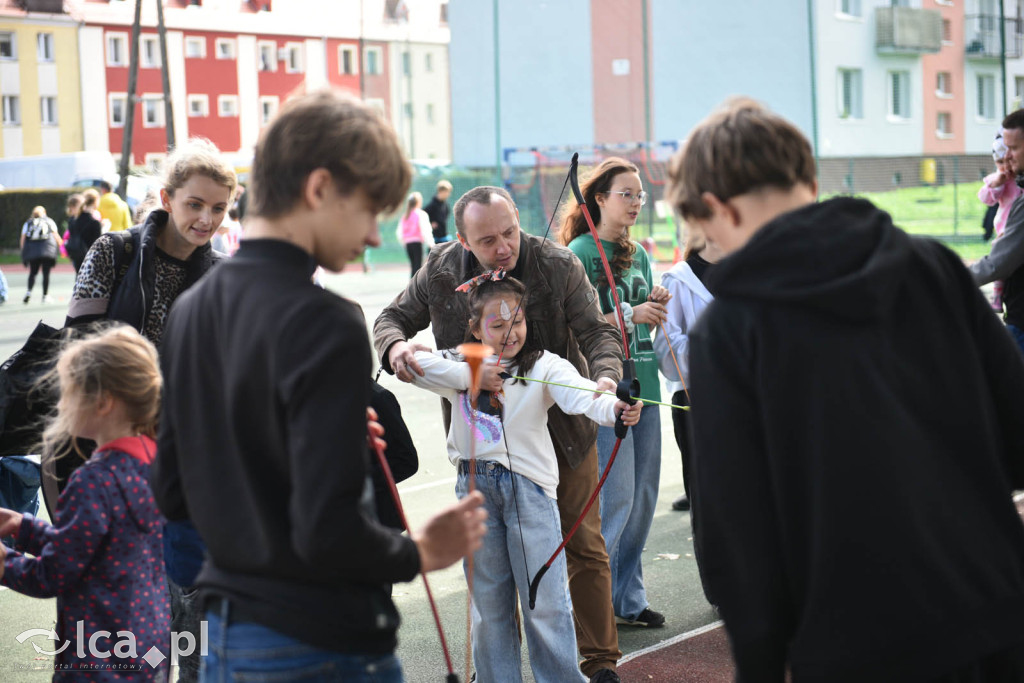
{"x": 1014, "y": 120}
{"x": 739, "y": 148}
{"x": 443, "y": 185}
{"x": 105, "y": 186}
{"x": 335, "y": 132}
{"x": 479, "y": 195}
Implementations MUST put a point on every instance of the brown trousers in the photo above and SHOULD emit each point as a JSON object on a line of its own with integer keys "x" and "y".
{"x": 590, "y": 578}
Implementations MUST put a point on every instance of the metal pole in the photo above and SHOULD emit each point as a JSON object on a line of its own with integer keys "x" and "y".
{"x": 359, "y": 59}
{"x": 165, "y": 76}
{"x": 956, "y": 201}
{"x": 129, "y": 119}
{"x": 408, "y": 94}
{"x": 497, "y": 97}
{"x": 647, "y": 110}
{"x": 814, "y": 77}
{"x": 1002, "y": 50}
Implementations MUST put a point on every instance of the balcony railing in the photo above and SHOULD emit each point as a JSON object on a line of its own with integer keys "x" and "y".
{"x": 982, "y": 40}
{"x": 908, "y": 30}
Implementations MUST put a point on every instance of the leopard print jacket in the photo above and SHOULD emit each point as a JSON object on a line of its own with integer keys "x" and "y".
{"x": 96, "y": 280}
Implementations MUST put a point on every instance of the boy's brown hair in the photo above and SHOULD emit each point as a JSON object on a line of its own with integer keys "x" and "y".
{"x": 335, "y": 132}
{"x": 739, "y": 148}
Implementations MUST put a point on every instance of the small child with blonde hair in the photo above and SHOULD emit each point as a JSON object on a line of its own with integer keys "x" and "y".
{"x": 102, "y": 556}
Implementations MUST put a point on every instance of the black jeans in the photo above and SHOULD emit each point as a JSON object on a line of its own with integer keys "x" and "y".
{"x": 415, "y": 252}
{"x": 681, "y": 429}
{"x": 33, "y": 269}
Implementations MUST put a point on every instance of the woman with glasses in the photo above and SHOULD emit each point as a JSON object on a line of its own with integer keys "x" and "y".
{"x": 614, "y": 196}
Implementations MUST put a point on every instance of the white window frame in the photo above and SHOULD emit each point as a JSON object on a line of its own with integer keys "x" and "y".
{"x": 946, "y": 22}
{"x": 123, "y": 99}
{"x": 379, "y": 60}
{"x": 12, "y": 38}
{"x": 294, "y": 61}
{"x": 428, "y": 62}
{"x": 229, "y": 43}
{"x": 45, "y": 47}
{"x": 947, "y": 92}
{"x": 266, "y": 55}
{"x": 849, "y": 8}
{"x": 204, "y": 106}
{"x": 149, "y": 51}
{"x": 430, "y": 113}
{"x": 353, "y": 53}
{"x": 11, "y": 105}
{"x": 898, "y": 98}
{"x": 856, "y": 110}
{"x": 939, "y": 133}
{"x": 227, "y": 100}
{"x": 275, "y": 103}
{"x": 48, "y": 115}
{"x": 195, "y": 41}
{"x": 985, "y": 100}
{"x": 1018, "y": 91}
{"x": 407, "y": 63}
{"x": 117, "y": 38}
{"x": 157, "y": 102}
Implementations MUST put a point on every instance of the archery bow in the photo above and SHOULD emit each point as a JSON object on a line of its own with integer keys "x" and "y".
{"x": 626, "y": 389}
{"x": 378, "y": 448}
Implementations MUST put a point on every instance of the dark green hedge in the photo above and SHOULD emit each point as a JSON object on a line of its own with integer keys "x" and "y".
{"x": 16, "y": 207}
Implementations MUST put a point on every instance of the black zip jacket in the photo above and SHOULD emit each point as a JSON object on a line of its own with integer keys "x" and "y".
{"x": 263, "y": 446}
{"x": 857, "y": 438}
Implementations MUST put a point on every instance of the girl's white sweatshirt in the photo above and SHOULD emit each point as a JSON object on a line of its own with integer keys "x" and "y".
{"x": 525, "y": 440}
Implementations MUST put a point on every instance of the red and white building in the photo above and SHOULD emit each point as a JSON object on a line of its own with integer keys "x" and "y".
{"x": 233, "y": 63}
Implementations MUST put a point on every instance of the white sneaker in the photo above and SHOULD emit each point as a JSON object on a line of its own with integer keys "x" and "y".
{"x": 47, "y": 299}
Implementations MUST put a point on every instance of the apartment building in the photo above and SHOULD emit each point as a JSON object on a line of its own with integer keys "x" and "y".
{"x": 39, "y": 87}
{"x": 864, "y": 79}
{"x": 231, "y": 65}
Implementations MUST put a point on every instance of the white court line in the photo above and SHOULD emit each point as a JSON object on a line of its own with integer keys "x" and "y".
{"x": 672, "y": 641}
{"x": 423, "y": 487}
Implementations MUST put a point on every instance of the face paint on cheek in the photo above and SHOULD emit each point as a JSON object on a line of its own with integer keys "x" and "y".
{"x": 506, "y": 313}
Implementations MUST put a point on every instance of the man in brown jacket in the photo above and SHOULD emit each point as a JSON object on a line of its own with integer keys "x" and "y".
{"x": 562, "y": 310}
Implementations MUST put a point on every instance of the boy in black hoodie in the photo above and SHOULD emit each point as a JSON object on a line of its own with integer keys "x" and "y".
{"x": 263, "y": 435}
{"x": 856, "y": 429}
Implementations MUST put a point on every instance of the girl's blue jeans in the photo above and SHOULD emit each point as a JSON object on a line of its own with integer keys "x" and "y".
{"x": 515, "y": 503}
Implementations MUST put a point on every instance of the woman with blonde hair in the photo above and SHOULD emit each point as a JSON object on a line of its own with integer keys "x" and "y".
{"x": 40, "y": 244}
{"x": 614, "y": 196}
{"x": 136, "y": 275}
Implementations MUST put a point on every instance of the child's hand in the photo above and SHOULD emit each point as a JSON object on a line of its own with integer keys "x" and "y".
{"x": 374, "y": 430}
{"x": 490, "y": 379}
{"x": 10, "y": 522}
{"x": 630, "y": 414}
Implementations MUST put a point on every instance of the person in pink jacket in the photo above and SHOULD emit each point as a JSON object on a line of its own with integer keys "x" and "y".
{"x": 414, "y": 231}
{"x": 999, "y": 188}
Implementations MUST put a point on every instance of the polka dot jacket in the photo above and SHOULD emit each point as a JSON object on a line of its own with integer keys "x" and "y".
{"x": 103, "y": 560}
